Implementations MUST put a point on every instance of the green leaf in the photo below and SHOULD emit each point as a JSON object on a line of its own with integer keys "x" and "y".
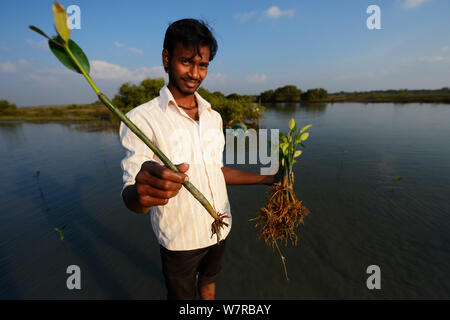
{"x": 64, "y": 57}
{"x": 282, "y": 162}
{"x": 291, "y": 123}
{"x": 297, "y": 153}
{"x": 283, "y": 147}
{"x": 306, "y": 128}
{"x": 304, "y": 136}
{"x": 60, "y": 18}
{"x": 36, "y": 29}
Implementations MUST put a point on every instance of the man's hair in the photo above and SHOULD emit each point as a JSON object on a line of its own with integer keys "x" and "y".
{"x": 191, "y": 33}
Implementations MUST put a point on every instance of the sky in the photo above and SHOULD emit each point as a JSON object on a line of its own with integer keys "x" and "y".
{"x": 262, "y": 45}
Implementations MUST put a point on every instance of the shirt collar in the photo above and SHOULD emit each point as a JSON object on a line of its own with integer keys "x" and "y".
{"x": 167, "y": 98}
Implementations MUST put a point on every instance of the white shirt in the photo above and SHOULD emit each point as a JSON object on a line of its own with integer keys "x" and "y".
{"x": 183, "y": 223}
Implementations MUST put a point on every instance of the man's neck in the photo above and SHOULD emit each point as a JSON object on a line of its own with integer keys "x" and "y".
{"x": 185, "y": 100}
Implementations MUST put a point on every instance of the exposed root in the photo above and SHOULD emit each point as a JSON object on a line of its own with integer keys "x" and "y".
{"x": 217, "y": 225}
{"x": 278, "y": 219}
{"x": 281, "y": 215}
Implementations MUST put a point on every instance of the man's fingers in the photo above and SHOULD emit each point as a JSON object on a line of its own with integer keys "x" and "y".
{"x": 155, "y": 182}
{"x": 148, "y": 201}
{"x": 163, "y": 173}
{"x": 147, "y": 190}
{"x": 183, "y": 167}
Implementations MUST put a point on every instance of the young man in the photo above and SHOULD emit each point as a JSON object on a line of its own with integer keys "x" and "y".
{"x": 183, "y": 125}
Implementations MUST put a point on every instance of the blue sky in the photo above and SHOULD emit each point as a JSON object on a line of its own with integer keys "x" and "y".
{"x": 262, "y": 45}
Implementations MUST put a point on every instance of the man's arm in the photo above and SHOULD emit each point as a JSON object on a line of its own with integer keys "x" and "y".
{"x": 238, "y": 177}
{"x": 154, "y": 186}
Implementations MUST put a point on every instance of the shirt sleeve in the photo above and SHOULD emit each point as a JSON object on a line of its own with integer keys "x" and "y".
{"x": 136, "y": 151}
{"x": 221, "y": 132}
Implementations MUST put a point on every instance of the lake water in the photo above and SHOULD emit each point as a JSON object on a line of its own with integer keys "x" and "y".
{"x": 360, "y": 214}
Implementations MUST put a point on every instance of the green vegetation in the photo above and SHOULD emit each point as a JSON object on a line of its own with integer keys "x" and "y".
{"x": 233, "y": 107}
{"x": 293, "y": 94}
{"x": 7, "y": 108}
{"x": 93, "y": 111}
{"x": 395, "y": 96}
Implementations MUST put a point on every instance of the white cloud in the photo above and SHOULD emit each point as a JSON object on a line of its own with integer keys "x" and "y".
{"x": 242, "y": 17}
{"x": 275, "y": 12}
{"x": 107, "y": 71}
{"x": 136, "y": 51}
{"x": 413, "y": 3}
{"x": 432, "y": 59}
{"x": 118, "y": 44}
{"x": 41, "y": 45}
{"x": 8, "y": 67}
{"x": 44, "y": 80}
{"x": 445, "y": 48}
{"x": 256, "y": 78}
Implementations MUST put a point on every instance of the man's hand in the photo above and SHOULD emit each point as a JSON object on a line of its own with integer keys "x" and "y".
{"x": 155, "y": 185}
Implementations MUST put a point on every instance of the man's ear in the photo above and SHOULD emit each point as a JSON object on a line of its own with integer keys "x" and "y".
{"x": 165, "y": 58}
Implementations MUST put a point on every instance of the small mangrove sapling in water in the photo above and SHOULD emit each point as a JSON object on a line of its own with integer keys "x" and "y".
{"x": 71, "y": 56}
{"x": 283, "y": 211}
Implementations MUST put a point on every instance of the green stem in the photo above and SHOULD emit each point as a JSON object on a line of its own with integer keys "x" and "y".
{"x": 189, "y": 186}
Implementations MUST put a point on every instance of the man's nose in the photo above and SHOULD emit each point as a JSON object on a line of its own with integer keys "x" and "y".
{"x": 194, "y": 72}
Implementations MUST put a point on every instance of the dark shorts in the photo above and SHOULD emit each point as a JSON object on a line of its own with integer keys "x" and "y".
{"x": 182, "y": 269}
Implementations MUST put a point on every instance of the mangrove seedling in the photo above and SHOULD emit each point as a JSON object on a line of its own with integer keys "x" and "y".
{"x": 283, "y": 211}
{"x": 71, "y": 56}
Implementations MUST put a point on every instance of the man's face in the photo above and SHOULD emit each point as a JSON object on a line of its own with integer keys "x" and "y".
{"x": 186, "y": 67}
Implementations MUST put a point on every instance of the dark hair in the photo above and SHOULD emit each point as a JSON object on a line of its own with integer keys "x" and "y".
{"x": 191, "y": 33}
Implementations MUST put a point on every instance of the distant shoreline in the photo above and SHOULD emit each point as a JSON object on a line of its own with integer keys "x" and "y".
{"x": 97, "y": 111}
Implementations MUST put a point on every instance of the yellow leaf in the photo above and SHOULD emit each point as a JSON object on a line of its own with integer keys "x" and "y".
{"x": 60, "y": 17}
{"x": 297, "y": 153}
{"x": 305, "y": 128}
{"x": 304, "y": 136}
{"x": 291, "y": 123}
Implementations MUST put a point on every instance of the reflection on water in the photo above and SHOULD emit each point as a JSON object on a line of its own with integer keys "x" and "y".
{"x": 376, "y": 178}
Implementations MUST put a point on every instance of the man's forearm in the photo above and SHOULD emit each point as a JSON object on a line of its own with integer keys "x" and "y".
{"x": 129, "y": 196}
{"x": 238, "y": 177}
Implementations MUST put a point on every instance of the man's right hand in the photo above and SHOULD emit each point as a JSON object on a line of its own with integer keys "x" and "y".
{"x": 155, "y": 185}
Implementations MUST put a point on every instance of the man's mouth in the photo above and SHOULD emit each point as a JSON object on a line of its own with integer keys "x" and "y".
{"x": 191, "y": 83}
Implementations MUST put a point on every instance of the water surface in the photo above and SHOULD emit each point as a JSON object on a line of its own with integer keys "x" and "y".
{"x": 360, "y": 214}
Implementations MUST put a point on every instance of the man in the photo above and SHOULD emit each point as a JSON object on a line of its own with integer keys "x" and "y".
{"x": 183, "y": 125}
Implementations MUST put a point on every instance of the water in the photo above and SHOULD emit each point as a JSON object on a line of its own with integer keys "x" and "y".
{"x": 360, "y": 215}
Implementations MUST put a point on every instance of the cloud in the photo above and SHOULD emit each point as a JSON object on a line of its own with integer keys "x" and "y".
{"x": 107, "y": 71}
{"x": 242, "y": 17}
{"x": 413, "y": 3}
{"x": 8, "y": 67}
{"x": 256, "y": 78}
{"x": 118, "y": 44}
{"x": 136, "y": 51}
{"x": 41, "y": 45}
{"x": 275, "y": 12}
{"x": 432, "y": 59}
{"x": 445, "y": 48}
{"x": 44, "y": 80}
